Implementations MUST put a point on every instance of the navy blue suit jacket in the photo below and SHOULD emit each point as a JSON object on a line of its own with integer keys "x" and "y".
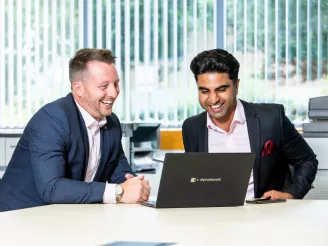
{"x": 49, "y": 163}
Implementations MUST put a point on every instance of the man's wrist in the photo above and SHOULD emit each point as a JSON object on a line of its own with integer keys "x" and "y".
{"x": 288, "y": 195}
{"x": 118, "y": 192}
{"x": 109, "y": 194}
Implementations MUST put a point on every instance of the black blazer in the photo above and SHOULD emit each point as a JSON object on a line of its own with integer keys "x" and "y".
{"x": 265, "y": 122}
{"x": 49, "y": 163}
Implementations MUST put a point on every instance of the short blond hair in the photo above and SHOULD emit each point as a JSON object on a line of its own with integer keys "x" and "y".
{"x": 78, "y": 65}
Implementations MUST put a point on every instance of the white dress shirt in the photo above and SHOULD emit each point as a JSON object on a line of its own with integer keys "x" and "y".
{"x": 93, "y": 129}
{"x": 234, "y": 141}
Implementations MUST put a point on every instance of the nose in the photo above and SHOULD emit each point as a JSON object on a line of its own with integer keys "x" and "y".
{"x": 112, "y": 91}
{"x": 213, "y": 97}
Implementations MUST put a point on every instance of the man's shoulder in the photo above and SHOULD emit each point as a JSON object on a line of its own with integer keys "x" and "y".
{"x": 196, "y": 119}
{"x": 113, "y": 119}
{"x": 57, "y": 111}
{"x": 64, "y": 103}
{"x": 263, "y": 108}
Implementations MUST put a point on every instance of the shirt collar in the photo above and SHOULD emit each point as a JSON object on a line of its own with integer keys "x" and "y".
{"x": 238, "y": 118}
{"x": 88, "y": 119}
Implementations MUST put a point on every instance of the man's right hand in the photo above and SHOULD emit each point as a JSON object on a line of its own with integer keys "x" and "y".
{"x": 135, "y": 189}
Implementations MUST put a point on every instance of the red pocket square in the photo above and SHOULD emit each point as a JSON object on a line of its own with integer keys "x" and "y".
{"x": 268, "y": 148}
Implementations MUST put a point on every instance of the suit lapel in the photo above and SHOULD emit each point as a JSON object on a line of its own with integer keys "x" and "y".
{"x": 84, "y": 135}
{"x": 254, "y": 133}
{"x": 86, "y": 144}
{"x": 105, "y": 146}
{"x": 203, "y": 134}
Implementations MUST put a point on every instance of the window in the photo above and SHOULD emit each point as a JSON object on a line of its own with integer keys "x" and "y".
{"x": 280, "y": 45}
{"x": 38, "y": 39}
{"x": 153, "y": 40}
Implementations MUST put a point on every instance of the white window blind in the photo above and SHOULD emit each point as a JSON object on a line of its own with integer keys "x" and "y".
{"x": 281, "y": 47}
{"x": 154, "y": 42}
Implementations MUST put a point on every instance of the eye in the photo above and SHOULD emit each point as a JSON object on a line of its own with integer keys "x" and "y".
{"x": 222, "y": 89}
{"x": 116, "y": 85}
{"x": 204, "y": 91}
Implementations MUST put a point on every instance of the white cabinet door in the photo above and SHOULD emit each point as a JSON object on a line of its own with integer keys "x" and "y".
{"x": 319, "y": 147}
{"x": 11, "y": 143}
{"x": 2, "y": 154}
{"x": 126, "y": 147}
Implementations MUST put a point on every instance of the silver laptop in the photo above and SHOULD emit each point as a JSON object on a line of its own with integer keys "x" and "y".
{"x": 203, "y": 180}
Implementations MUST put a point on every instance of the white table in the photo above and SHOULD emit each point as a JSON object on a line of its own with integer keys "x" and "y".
{"x": 292, "y": 223}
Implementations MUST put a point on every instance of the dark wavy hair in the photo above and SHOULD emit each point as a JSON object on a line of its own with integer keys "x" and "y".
{"x": 215, "y": 61}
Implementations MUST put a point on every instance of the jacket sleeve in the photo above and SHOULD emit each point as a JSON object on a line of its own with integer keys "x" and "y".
{"x": 185, "y": 136}
{"x": 48, "y": 146}
{"x": 190, "y": 133}
{"x": 123, "y": 167}
{"x": 300, "y": 156}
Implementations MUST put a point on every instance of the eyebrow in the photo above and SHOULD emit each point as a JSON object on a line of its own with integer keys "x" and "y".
{"x": 103, "y": 83}
{"x": 107, "y": 82}
{"x": 217, "y": 88}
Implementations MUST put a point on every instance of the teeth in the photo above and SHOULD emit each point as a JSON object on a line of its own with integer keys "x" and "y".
{"x": 217, "y": 106}
{"x": 107, "y": 102}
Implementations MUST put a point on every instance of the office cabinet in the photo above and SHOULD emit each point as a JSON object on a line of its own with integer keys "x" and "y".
{"x": 10, "y": 143}
{"x": 2, "y": 156}
{"x": 2, "y": 152}
{"x": 319, "y": 147}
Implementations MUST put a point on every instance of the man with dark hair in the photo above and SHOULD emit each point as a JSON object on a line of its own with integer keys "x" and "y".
{"x": 71, "y": 151}
{"x": 232, "y": 125}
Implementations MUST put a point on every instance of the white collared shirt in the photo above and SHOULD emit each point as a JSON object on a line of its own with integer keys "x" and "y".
{"x": 234, "y": 141}
{"x": 93, "y": 129}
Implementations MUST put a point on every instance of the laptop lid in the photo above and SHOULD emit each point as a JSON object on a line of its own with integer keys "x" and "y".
{"x": 204, "y": 179}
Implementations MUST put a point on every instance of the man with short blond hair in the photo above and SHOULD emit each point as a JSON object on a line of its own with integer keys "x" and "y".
{"x": 71, "y": 151}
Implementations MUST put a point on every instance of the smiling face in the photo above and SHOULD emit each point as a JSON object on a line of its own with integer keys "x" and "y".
{"x": 217, "y": 94}
{"x": 98, "y": 89}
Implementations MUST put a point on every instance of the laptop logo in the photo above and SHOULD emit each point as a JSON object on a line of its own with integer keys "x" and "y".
{"x": 194, "y": 180}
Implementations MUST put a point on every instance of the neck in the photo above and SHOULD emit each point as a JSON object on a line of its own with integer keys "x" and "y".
{"x": 225, "y": 122}
{"x": 82, "y": 105}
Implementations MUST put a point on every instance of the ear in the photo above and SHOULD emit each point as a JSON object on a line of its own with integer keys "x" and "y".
{"x": 236, "y": 86}
{"x": 78, "y": 88}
